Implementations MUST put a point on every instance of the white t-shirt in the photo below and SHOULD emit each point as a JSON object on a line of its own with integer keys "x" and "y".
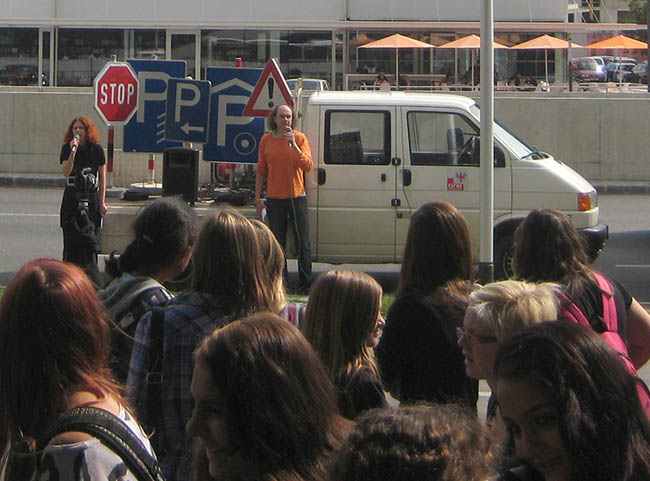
{"x": 89, "y": 460}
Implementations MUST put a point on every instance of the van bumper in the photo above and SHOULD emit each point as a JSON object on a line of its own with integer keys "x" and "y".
{"x": 596, "y": 237}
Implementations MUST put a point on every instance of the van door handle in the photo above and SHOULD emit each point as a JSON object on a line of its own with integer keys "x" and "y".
{"x": 321, "y": 176}
{"x": 406, "y": 177}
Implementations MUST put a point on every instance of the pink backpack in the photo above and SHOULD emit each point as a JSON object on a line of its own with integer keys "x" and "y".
{"x": 569, "y": 311}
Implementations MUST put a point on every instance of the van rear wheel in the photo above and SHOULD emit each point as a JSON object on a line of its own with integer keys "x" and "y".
{"x": 503, "y": 255}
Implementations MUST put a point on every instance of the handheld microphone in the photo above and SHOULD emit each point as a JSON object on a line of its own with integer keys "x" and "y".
{"x": 289, "y": 129}
{"x": 74, "y": 147}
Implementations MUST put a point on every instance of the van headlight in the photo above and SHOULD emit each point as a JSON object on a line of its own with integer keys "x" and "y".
{"x": 587, "y": 201}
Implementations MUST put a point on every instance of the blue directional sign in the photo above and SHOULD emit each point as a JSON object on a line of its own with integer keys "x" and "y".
{"x": 188, "y": 110}
{"x": 145, "y": 132}
{"x": 233, "y": 137}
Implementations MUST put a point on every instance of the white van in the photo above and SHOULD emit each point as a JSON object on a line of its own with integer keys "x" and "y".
{"x": 378, "y": 156}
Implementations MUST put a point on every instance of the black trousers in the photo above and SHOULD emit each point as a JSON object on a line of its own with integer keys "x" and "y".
{"x": 284, "y": 212}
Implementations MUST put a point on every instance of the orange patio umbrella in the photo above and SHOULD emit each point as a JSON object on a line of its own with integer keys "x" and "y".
{"x": 471, "y": 41}
{"x": 620, "y": 42}
{"x": 545, "y": 42}
{"x": 397, "y": 41}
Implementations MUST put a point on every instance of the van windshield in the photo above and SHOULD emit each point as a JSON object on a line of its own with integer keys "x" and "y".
{"x": 513, "y": 143}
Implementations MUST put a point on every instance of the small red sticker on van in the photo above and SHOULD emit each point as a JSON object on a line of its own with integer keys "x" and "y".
{"x": 451, "y": 185}
{"x": 457, "y": 182}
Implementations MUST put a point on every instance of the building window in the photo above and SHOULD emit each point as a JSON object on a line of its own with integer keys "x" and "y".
{"x": 300, "y": 53}
{"x": 625, "y": 16}
{"x": 591, "y": 16}
{"x": 83, "y": 53}
{"x": 149, "y": 44}
{"x": 19, "y": 56}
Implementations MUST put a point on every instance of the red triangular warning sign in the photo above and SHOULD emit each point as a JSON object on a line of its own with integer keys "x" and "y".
{"x": 271, "y": 90}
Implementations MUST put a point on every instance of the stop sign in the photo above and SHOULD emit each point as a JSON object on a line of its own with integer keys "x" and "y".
{"x": 116, "y": 93}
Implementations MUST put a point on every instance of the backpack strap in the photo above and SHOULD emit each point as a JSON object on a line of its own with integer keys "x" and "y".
{"x": 569, "y": 310}
{"x": 154, "y": 374}
{"x": 121, "y": 309}
{"x": 112, "y": 432}
{"x": 610, "y": 315}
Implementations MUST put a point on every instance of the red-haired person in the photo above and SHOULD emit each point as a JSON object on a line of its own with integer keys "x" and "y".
{"x": 79, "y": 152}
{"x": 53, "y": 353}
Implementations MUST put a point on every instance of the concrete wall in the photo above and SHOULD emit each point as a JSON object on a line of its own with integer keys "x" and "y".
{"x": 101, "y": 11}
{"x": 602, "y": 136}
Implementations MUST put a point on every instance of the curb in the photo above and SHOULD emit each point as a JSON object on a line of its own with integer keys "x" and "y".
{"x": 620, "y": 187}
{"x": 31, "y": 180}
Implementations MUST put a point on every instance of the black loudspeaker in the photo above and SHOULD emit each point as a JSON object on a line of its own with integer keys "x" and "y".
{"x": 181, "y": 173}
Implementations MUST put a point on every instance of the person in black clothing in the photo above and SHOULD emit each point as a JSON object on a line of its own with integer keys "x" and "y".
{"x": 418, "y": 356}
{"x": 343, "y": 323}
{"x": 549, "y": 249}
{"x": 83, "y": 204}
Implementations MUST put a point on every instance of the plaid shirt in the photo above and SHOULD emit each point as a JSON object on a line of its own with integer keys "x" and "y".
{"x": 188, "y": 319}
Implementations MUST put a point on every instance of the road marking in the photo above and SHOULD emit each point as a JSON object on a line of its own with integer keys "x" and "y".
{"x": 7, "y": 214}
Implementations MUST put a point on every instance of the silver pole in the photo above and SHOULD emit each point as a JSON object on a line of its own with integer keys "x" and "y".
{"x": 486, "y": 265}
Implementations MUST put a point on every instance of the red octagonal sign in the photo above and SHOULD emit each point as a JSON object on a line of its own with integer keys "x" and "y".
{"x": 116, "y": 93}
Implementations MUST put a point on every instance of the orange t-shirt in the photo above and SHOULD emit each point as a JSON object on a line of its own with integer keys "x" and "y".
{"x": 283, "y": 167}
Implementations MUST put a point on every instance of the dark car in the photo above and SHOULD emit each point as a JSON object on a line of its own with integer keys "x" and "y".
{"x": 587, "y": 70}
{"x": 21, "y": 74}
{"x": 639, "y": 74}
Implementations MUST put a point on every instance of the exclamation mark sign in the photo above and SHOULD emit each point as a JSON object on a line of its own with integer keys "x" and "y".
{"x": 270, "y": 84}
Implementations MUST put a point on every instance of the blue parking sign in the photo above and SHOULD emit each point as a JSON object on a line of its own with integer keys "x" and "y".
{"x": 232, "y": 137}
{"x": 188, "y": 107}
{"x": 145, "y": 132}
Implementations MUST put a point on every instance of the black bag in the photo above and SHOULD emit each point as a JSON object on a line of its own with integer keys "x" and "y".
{"x": 112, "y": 432}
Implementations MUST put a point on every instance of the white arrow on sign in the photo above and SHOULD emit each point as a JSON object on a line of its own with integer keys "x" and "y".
{"x": 187, "y": 128}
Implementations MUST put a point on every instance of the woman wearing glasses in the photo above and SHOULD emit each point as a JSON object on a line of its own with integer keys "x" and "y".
{"x": 495, "y": 313}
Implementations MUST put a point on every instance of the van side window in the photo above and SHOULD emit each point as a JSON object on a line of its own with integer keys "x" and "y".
{"x": 443, "y": 138}
{"x": 359, "y": 137}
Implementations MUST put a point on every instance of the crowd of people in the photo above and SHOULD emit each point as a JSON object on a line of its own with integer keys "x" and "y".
{"x": 230, "y": 381}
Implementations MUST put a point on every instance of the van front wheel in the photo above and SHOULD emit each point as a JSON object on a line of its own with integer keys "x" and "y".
{"x": 503, "y": 254}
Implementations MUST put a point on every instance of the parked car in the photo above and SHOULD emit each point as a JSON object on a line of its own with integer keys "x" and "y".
{"x": 309, "y": 84}
{"x": 614, "y": 69}
{"x": 600, "y": 61}
{"x": 587, "y": 69}
{"x": 639, "y": 74}
{"x": 20, "y": 74}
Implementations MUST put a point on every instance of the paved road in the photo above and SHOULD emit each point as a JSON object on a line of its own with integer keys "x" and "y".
{"x": 29, "y": 227}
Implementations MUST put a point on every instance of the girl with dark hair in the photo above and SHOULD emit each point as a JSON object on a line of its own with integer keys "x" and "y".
{"x": 441, "y": 442}
{"x": 571, "y": 407}
{"x": 549, "y": 249}
{"x": 163, "y": 235}
{"x": 80, "y": 151}
{"x": 53, "y": 354}
{"x": 265, "y": 408}
{"x": 343, "y": 323}
{"x": 418, "y": 356}
{"x": 229, "y": 281}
